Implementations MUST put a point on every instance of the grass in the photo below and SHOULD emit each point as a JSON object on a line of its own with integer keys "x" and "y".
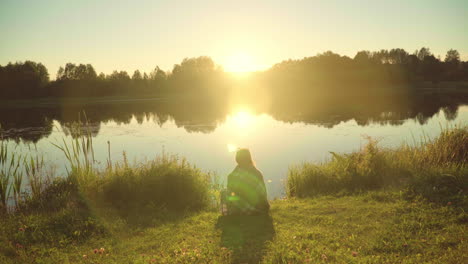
{"x": 376, "y": 227}
{"x": 406, "y": 205}
{"x": 436, "y": 169}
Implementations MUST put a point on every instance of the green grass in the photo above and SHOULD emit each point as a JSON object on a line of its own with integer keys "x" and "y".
{"x": 377, "y": 227}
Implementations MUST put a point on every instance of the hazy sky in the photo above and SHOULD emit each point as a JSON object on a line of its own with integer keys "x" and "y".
{"x": 140, "y": 34}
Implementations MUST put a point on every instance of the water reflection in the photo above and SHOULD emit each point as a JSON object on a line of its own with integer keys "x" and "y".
{"x": 208, "y": 135}
{"x": 30, "y": 124}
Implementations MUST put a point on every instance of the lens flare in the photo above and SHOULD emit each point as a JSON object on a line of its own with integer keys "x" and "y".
{"x": 232, "y": 147}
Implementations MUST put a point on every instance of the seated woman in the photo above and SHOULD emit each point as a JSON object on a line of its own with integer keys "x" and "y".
{"x": 246, "y": 191}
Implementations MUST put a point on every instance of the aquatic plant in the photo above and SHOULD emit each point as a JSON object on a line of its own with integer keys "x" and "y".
{"x": 5, "y": 169}
{"x": 34, "y": 167}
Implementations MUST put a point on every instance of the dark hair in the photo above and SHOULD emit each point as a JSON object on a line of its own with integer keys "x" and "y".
{"x": 243, "y": 157}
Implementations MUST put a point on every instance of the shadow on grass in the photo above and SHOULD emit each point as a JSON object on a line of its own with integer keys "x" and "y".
{"x": 246, "y": 236}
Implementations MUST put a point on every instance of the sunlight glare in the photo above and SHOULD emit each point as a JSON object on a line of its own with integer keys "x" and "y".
{"x": 243, "y": 119}
{"x": 240, "y": 62}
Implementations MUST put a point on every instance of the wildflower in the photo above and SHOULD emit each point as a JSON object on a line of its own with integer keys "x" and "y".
{"x": 354, "y": 253}
{"x": 21, "y": 229}
{"x": 101, "y": 250}
{"x": 95, "y": 251}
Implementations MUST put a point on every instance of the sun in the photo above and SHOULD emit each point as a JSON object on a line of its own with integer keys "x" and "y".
{"x": 240, "y": 62}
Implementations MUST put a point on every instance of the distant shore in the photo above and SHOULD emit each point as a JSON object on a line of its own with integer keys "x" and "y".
{"x": 443, "y": 88}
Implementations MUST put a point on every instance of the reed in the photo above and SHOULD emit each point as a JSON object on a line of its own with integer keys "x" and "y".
{"x": 5, "y": 168}
{"x": 79, "y": 152}
{"x": 34, "y": 169}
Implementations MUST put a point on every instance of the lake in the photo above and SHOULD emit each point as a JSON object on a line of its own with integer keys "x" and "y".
{"x": 207, "y": 136}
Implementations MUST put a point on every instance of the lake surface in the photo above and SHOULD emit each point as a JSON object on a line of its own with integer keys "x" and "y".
{"x": 206, "y": 137}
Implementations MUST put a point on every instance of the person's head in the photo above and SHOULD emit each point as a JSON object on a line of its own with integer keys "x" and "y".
{"x": 243, "y": 157}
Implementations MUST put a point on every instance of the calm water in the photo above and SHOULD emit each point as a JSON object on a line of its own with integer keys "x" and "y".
{"x": 207, "y": 138}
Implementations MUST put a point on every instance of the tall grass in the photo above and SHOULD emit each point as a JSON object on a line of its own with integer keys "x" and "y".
{"x": 13, "y": 168}
{"x": 436, "y": 169}
{"x": 166, "y": 183}
{"x": 11, "y": 176}
{"x": 79, "y": 152}
{"x": 5, "y": 172}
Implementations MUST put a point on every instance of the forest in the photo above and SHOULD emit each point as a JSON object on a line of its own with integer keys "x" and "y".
{"x": 328, "y": 72}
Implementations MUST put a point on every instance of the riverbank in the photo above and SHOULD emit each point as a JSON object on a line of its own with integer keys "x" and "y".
{"x": 375, "y": 206}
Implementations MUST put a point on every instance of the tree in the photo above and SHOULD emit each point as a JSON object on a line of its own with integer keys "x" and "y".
{"x": 157, "y": 74}
{"x": 363, "y": 56}
{"x": 76, "y": 72}
{"x": 119, "y": 76}
{"x": 23, "y": 79}
{"x": 432, "y": 68}
{"x": 90, "y": 72}
{"x": 380, "y": 56}
{"x": 422, "y": 53}
{"x": 452, "y": 56}
{"x": 137, "y": 75}
{"x": 398, "y": 56}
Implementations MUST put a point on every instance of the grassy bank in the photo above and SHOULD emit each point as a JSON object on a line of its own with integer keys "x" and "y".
{"x": 376, "y": 205}
{"x": 435, "y": 169}
{"x": 377, "y": 227}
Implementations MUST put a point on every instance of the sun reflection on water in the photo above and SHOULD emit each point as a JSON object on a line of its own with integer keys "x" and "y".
{"x": 243, "y": 119}
{"x": 239, "y": 124}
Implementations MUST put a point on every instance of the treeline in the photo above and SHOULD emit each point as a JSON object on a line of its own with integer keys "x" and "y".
{"x": 367, "y": 73}
{"x": 202, "y": 77}
{"x": 31, "y": 80}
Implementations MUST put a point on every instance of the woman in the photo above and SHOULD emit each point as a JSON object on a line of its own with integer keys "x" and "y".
{"x": 246, "y": 191}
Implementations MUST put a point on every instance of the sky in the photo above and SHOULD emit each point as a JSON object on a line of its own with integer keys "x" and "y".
{"x": 238, "y": 35}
